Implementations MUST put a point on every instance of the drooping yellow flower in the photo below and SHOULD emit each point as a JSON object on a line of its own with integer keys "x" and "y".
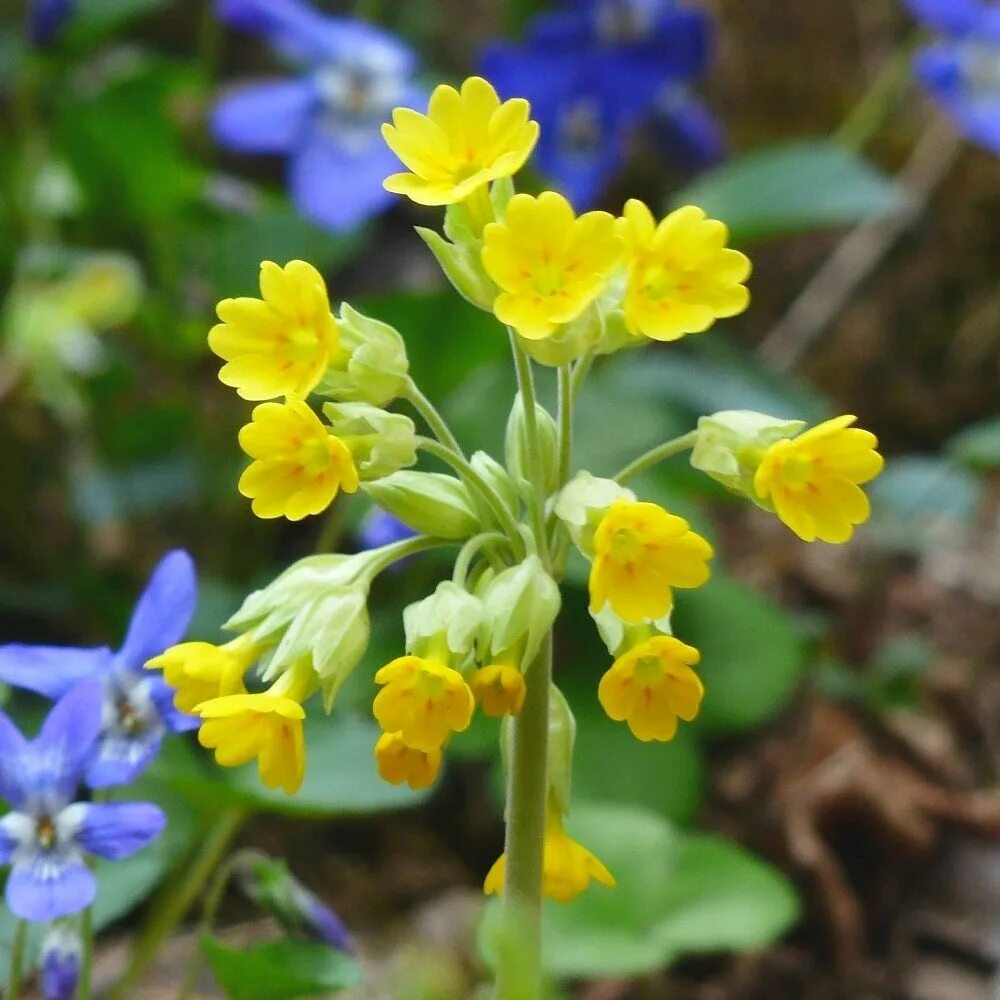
{"x": 398, "y": 762}
{"x": 640, "y": 553}
{"x": 681, "y": 275}
{"x": 279, "y": 344}
{"x": 567, "y": 867}
{"x": 199, "y": 671}
{"x": 240, "y": 727}
{"x": 813, "y": 480}
{"x": 651, "y": 686}
{"x": 467, "y": 139}
{"x": 549, "y": 264}
{"x": 423, "y": 701}
{"x": 499, "y": 689}
{"x": 298, "y": 467}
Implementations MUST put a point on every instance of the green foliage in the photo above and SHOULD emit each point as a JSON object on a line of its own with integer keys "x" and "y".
{"x": 792, "y": 187}
{"x": 752, "y": 654}
{"x": 677, "y": 894}
{"x": 978, "y": 446}
{"x": 280, "y": 970}
{"x": 94, "y": 19}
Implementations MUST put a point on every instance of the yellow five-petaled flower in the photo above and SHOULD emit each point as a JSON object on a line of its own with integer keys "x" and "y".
{"x": 199, "y": 671}
{"x": 281, "y": 343}
{"x": 640, "y": 553}
{"x": 299, "y": 465}
{"x": 549, "y": 264}
{"x": 652, "y": 686}
{"x": 681, "y": 275}
{"x": 398, "y": 762}
{"x": 813, "y": 480}
{"x": 499, "y": 688}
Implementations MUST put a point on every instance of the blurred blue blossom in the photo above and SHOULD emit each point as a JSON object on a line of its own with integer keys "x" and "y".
{"x": 137, "y": 705}
{"x": 327, "y": 120}
{"x": 380, "y": 528}
{"x": 961, "y": 69}
{"x": 596, "y": 70}
{"x": 60, "y": 961}
{"x": 46, "y": 19}
{"x": 46, "y": 836}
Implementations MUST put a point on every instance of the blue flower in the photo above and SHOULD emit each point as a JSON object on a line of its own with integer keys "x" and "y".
{"x": 961, "y": 70}
{"x": 380, "y": 528}
{"x": 60, "y": 961}
{"x": 138, "y": 706}
{"x": 594, "y": 72}
{"x": 46, "y": 836}
{"x": 327, "y": 120}
{"x": 46, "y": 19}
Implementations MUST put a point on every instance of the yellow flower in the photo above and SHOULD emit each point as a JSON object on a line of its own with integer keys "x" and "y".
{"x": 298, "y": 466}
{"x": 651, "y": 686}
{"x": 681, "y": 275}
{"x": 567, "y": 867}
{"x": 465, "y": 140}
{"x": 813, "y": 480}
{"x": 398, "y": 762}
{"x": 240, "y": 727}
{"x": 281, "y": 344}
{"x": 199, "y": 671}
{"x": 499, "y": 688}
{"x": 640, "y": 553}
{"x": 423, "y": 701}
{"x": 549, "y": 264}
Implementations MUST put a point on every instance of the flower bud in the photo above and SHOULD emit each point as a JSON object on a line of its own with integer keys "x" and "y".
{"x": 371, "y": 366}
{"x": 445, "y": 625}
{"x": 60, "y": 960}
{"x": 731, "y": 444}
{"x": 516, "y": 445}
{"x": 380, "y": 442}
{"x": 332, "y": 633}
{"x": 569, "y": 341}
{"x": 268, "y": 882}
{"x": 562, "y": 737}
{"x": 582, "y": 503}
{"x": 463, "y": 267}
{"x": 520, "y": 606}
{"x": 429, "y": 502}
{"x": 496, "y": 476}
{"x": 274, "y": 607}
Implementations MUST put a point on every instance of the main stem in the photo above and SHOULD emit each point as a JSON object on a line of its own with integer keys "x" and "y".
{"x": 87, "y": 958}
{"x": 17, "y": 960}
{"x": 519, "y": 965}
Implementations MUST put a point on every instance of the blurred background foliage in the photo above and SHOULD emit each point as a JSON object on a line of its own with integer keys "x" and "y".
{"x": 125, "y": 222}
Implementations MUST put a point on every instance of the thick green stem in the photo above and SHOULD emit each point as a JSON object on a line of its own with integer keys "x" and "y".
{"x": 656, "y": 455}
{"x": 171, "y": 909}
{"x": 438, "y": 425}
{"x": 482, "y": 488}
{"x": 565, "y": 423}
{"x": 17, "y": 960}
{"x": 83, "y": 986}
{"x": 519, "y": 966}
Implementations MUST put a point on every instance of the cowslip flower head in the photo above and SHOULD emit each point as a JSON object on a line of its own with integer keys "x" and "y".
{"x": 423, "y": 701}
{"x": 281, "y": 343}
{"x": 567, "y": 867}
{"x": 138, "y": 710}
{"x": 467, "y": 139}
{"x": 549, "y": 264}
{"x": 298, "y": 465}
{"x": 651, "y": 686}
{"x": 499, "y": 689}
{"x": 46, "y": 836}
{"x": 200, "y": 671}
{"x": 268, "y": 727}
{"x": 681, "y": 275}
{"x": 398, "y": 762}
{"x": 640, "y": 553}
{"x": 814, "y": 480}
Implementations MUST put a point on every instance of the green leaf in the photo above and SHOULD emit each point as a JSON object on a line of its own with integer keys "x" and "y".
{"x": 978, "y": 446}
{"x": 280, "y": 970}
{"x": 93, "y": 19}
{"x": 751, "y": 653}
{"x": 793, "y": 187}
{"x": 676, "y": 894}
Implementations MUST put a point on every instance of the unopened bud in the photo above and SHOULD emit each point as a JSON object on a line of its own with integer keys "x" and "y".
{"x": 429, "y": 502}
{"x": 380, "y": 442}
{"x": 517, "y": 451}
